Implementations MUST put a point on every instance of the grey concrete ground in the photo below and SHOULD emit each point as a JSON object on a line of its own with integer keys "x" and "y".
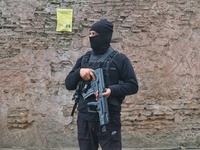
{"x": 63, "y": 149}
{"x": 70, "y": 148}
{"x": 75, "y": 148}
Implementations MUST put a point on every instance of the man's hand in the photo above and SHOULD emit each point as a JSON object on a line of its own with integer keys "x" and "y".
{"x": 106, "y": 93}
{"x": 87, "y": 74}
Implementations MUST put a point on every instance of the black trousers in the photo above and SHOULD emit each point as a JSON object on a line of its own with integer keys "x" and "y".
{"x": 90, "y": 135}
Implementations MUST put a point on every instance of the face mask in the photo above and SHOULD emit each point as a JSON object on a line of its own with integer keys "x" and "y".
{"x": 100, "y": 43}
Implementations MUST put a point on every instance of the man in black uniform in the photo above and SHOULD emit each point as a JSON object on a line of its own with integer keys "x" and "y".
{"x": 120, "y": 80}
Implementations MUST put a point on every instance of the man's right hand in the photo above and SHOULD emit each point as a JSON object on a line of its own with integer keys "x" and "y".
{"x": 87, "y": 74}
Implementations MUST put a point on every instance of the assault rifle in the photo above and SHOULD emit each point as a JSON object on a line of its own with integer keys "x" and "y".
{"x": 101, "y": 106}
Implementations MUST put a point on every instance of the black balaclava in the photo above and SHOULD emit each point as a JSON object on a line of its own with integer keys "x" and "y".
{"x": 101, "y": 42}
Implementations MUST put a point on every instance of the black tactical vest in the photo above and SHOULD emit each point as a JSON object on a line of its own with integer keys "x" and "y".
{"x": 94, "y": 62}
{"x": 102, "y": 61}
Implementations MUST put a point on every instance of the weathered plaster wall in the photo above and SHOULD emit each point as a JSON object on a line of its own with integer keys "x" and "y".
{"x": 161, "y": 38}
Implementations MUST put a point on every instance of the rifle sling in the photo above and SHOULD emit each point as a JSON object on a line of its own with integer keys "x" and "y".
{"x": 74, "y": 107}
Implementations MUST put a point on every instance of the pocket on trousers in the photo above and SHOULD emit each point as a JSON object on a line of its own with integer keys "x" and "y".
{"x": 115, "y": 129}
{"x": 83, "y": 132}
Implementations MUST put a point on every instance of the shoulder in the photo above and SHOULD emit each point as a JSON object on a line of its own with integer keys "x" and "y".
{"x": 120, "y": 56}
{"x": 86, "y": 56}
{"x": 83, "y": 58}
{"x": 121, "y": 60}
{"x": 88, "y": 53}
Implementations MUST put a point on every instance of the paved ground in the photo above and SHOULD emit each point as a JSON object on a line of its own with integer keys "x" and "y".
{"x": 70, "y": 148}
{"x": 75, "y": 148}
{"x": 61, "y": 149}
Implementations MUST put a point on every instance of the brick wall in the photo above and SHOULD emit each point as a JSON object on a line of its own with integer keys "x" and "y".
{"x": 161, "y": 38}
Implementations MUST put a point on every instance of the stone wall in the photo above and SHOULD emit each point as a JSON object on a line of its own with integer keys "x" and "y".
{"x": 161, "y": 38}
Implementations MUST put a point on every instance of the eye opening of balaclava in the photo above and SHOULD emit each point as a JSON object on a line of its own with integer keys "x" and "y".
{"x": 101, "y": 42}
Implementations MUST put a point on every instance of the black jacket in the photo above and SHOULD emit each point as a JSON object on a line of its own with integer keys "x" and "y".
{"x": 120, "y": 70}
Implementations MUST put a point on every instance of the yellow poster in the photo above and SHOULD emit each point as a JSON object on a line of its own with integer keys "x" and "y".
{"x": 64, "y": 19}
